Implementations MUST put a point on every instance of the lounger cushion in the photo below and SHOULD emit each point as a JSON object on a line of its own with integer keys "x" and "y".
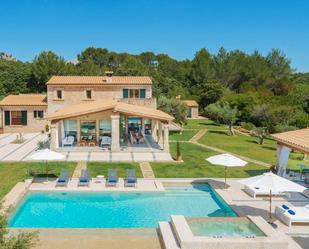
{"x": 131, "y": 181}
{"x": 112, "y": 181}
{"x": 83, "y": 180}
{"x": 61, "y": 180}
{"x": 291, "y": 212}
{"x": 285, "y": 207}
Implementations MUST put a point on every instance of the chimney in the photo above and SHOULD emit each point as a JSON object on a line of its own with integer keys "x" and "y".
{"x": 108, "y": 76}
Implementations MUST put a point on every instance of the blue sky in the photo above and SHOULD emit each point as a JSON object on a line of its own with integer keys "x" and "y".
{"x": 176, "y": 27}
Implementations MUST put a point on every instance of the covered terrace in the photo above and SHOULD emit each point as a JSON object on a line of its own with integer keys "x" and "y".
{"x": 109, "y": 124}
{"x": 297, "y": 140}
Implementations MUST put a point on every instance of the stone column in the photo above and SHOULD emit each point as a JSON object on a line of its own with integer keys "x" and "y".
{"x": 115, "y": 133}
{"x": 160, "y": 133}
{"x": 127, "y": 125}
{"x": 143, "y": 125}
{"x": 53, "y": 137}
{"x": 154, "y": 129}
{"x": 97, "y": 130}
{"x": 166, "y": 146}
{"x": 78, "y": 130}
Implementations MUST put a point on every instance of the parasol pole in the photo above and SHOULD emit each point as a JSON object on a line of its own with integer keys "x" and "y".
{"x": 225, "y": 176}
{"x": 270, "y": 217}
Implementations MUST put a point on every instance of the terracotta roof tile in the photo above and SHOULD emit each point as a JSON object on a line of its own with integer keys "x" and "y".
{"x": 298, "y": 139}
{"x": 191, "y": 103}
{"x": 24, "y": 100}
{"x": 102, "y": 105}
{"x": 98, "y": 80}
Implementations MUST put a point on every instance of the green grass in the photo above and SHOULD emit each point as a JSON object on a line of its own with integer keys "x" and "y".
{"x": 203, "y": 124}
{"x": 100, "y": 168}
{"x": 185, "y": 135}
{"x": 247, "y": 146}
{"x": 195, "y": 165}
{"x": 11, "y": 173}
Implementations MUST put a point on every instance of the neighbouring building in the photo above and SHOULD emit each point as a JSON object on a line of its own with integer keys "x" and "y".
{"x": 91, "y": 111}
{"x": 192, "y": 108}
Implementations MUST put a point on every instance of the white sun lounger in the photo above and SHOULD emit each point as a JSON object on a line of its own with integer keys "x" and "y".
{"x": 296, "y": 215}
{"x": 254, "y": 192}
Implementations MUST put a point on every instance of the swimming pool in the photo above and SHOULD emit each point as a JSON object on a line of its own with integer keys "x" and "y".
{"x": 225, "y": 227}
{"x": 57, "y": 209}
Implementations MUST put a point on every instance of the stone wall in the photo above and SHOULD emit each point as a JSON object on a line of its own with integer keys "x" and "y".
{"x": 33, "y": 124}
{"x": 194, "y": 112}
{"x": 76, "y": 94}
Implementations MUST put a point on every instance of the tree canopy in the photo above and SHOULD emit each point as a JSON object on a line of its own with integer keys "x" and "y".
{"x": 249, "y": 83}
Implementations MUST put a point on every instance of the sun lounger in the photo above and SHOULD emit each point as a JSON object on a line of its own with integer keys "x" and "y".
{"x": 255, "y": 192}
{"x": 63, "y": 179}
{"x": 84, "y": 179}
{"x": 112, "y": 178}
{"x": 68, "y": 141}
{"x": 130, "y": 180}
{"x": 289, "y": 214}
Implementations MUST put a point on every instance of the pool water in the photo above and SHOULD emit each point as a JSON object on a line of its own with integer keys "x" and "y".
{"x": 240, "y": 227}
{"x": 117, "y": 209}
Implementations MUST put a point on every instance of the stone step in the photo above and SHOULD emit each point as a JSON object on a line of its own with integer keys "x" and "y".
{"x": 168, "y": 237}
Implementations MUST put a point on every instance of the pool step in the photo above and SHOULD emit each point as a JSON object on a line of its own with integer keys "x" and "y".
{"x": 168, "y": 237}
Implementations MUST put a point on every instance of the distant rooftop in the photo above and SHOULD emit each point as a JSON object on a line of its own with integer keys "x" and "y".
{"x": 190, "y": 103}
{"x": 100, "y": 80}
{"x": 24, "y": 100}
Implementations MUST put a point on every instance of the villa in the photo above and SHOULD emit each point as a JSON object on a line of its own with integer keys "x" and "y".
{"x": 114, "y": 112}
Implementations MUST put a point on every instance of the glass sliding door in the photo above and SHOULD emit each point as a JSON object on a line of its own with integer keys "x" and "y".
{"x": 70, "y": 128}
{"x": 134, "y": 124}
{"x": 88, "y": 131}
{"x": 147, "y": 125}
{"x": 105, "y": 128}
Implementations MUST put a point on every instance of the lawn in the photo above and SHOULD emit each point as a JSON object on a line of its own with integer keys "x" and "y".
{"x": 11, "y": 173}
{"x": 185, "y": 135}
{"x": 100, "y": 168}
{"x": 195, "y": 165}
{"x": 247, "y": 146}
{"x": 199, "y": 124}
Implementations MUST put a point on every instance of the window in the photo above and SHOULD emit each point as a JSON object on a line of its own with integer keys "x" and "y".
{"x": 15, "y": 117}
{"x": 59, "y": 94}
{"x": 38, "y": 114}
{"x": 125, "y": 93}
{"x": 142, "y": 93}
{"x": 134, "y": 93}
{"x": 88, "y": 94}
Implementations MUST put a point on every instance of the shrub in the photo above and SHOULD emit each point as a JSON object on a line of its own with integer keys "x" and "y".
{"x": 247, "y": 126}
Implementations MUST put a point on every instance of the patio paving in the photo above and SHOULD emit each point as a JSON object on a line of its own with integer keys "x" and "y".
{"x": 16, "y": 152}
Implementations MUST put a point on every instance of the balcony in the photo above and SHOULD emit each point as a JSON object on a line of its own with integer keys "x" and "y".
{"x": 148, "y": 102}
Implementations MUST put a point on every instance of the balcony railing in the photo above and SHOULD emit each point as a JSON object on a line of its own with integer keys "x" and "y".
{"x": 148, "y": 102}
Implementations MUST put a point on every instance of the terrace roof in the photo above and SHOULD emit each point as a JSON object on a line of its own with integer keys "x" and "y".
{"x": 110, "y": 104}
{"x": 298, "y": 139}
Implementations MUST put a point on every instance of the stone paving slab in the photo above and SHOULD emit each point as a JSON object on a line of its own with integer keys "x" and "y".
{"x": 100, "y": 156}
{"x": 137, "y": 238}
{"x": 25, "y": 150}
{"x": 121, "y": 156}
{"x": 146, "y": 170}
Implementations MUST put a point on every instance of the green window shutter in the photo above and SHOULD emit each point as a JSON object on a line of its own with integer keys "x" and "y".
{"x": 7, "y": 117}
{"x": 24, "y": 117}
{"x": 142, "y": 93}
{"x": 125, "y": 93}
